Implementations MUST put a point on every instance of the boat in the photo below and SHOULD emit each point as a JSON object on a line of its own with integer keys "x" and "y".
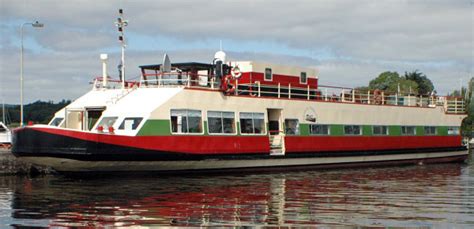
{"x": 5, "y": 133}
{"x": 240, "y": 115}
{"x": 5, "y": 136}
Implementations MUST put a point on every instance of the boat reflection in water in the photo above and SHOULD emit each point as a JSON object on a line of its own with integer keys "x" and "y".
{"x": 432, "y": 195}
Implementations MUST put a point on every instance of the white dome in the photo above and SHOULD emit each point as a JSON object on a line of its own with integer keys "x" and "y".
{"x": 220, "y": 55}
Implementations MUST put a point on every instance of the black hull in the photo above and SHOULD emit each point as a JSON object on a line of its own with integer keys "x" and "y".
{"x": 39, "y": 146}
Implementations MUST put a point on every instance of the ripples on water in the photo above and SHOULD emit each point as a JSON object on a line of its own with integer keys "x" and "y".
{"x": 430, "y": 195}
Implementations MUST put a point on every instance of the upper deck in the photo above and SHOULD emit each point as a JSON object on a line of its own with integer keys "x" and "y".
{"x": 264, "y": 80}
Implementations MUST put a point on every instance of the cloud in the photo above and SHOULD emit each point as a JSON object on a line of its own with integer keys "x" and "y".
{"x": 350, "y": 41}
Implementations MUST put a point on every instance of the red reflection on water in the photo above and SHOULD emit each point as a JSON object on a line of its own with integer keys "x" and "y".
{"x": 306, "y": 198}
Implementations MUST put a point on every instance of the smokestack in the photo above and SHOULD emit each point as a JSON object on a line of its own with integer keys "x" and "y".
{"x": 104, "y": 58}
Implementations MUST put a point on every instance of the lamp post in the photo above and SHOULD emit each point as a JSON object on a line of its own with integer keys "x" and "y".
{"x": 35, "y": 25}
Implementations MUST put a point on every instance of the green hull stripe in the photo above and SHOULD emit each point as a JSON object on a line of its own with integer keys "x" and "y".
{"x": 162, "y": 127}
{"x": 155, "y": 128}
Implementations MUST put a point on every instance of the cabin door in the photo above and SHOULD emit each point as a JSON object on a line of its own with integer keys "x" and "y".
{"x": 276, "y": 135}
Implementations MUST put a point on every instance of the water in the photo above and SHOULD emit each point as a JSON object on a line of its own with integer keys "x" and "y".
{"x": 422, "y": 196}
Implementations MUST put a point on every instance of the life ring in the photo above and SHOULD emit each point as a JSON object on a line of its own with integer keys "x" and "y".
{"x": 228, "y": 87}
{"x": 236, "y": 73}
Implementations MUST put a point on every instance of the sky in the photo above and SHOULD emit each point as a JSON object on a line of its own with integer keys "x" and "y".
{"x": 350, "y": 42}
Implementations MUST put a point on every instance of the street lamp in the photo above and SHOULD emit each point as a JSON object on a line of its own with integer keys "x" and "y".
{"x": 35, "y": 25}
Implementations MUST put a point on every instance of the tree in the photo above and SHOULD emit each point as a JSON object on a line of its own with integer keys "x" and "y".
{"x": 384, "y": 81}
{"x": 391, "y": 81}
{"x": 425, "y": 86}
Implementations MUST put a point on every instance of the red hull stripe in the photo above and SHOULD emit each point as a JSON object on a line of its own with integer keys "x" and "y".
{"x": 252, "y": 144}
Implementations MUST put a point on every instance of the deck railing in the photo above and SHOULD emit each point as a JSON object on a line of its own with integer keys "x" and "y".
{"x": 179, "y": 80}
{"x": 452, "y": 105}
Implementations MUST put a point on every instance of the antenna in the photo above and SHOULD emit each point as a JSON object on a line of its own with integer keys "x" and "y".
{"x": 121, "y": 23}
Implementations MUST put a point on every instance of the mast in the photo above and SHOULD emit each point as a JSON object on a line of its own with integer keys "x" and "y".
{"x": 3, "y": 111}
{"x": 121, "y": 23}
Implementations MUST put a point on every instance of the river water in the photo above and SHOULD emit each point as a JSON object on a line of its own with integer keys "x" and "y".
{"x": 439, "y": 195}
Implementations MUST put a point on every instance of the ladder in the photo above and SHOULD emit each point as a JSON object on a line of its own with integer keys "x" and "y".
{"x": 277, "y": 144}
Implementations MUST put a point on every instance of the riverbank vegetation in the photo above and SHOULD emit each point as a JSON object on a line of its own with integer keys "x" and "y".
{"x": 36, "y": 112}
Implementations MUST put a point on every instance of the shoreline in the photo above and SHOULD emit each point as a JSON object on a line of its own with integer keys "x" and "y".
{"x": 11, "y": 166}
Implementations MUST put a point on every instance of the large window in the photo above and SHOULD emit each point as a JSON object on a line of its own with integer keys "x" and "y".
{"x": 318, "y": 129}
{"x": 408, "y": 130}
{"x": 380, "y": 130}
{"x": 186, "y": 121}
{"x": 292, "y": 127}
{"x": 221, "y": 122}
{"x": 130, "y": 123}
{"x": 252, "y": 123}
{"x": 303, "y": 78}
{"x": 268, "y": 74}
{"x": 453, "y": 130}
{"x": 352, "y": 130}
{"x": 430, "y": 130}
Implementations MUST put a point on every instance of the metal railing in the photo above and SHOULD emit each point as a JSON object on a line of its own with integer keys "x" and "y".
{"x": 452, "y": 105}
{"x": 175, "y": 79}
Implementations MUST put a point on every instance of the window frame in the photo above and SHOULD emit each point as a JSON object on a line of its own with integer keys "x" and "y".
{"x": 456, "y": 129}
{"x": 106, "y": 129}
{"x": 429, "y": 127}
{"x": 187, "y": 133}
{"x": 305, "y": 77}
{"x": 222, "y": 119}
{"x": 123, "y": 123}
{"x": 360, "y": 130}
{"x": 264, "y": 132}
{"x": 55, "y": 118}
{"x": 265, "y": 74}
{"x": 313, "y": 134}
{"x": 408, "y": 134}
{"x": 297, "y": 132}
{"x": 387, "y": 131}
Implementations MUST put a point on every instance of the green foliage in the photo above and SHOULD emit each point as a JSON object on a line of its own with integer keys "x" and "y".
{"x": 384, "y": 81}
{"x": 37, "y": 112}
{"x": 467, "y": 123}
{"x": 391, "y": 81}
{"x": 425, "y": 86}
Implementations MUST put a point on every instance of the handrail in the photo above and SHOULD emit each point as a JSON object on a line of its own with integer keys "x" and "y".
{"x": 353, "y": 96}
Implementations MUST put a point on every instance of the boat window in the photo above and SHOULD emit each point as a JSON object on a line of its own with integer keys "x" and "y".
{"x": 408, "y": 130}
{"x": 268, "y": 74}
{"x": 2, "y": 129}
{"x": 318, "y": 129}
{"x": 107, "y": 122}
{"x": 453, "y": 130}
{"x": 56, "y": 121}
{"x": 252, "y": 123}
{"x": 303, "y": 78}
{"x": 221, "y": 122}
{"x": 430, "y": 130}
{"x": 380, "y": 130}
{"x": 352, "y": 130}
{"x": 186, "y": 121}
{"x": 292, "y": 127}
{"x": 130, "y": 123}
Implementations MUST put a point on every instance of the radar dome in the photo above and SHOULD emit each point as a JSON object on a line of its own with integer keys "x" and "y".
{"x": 220, "y": 55}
